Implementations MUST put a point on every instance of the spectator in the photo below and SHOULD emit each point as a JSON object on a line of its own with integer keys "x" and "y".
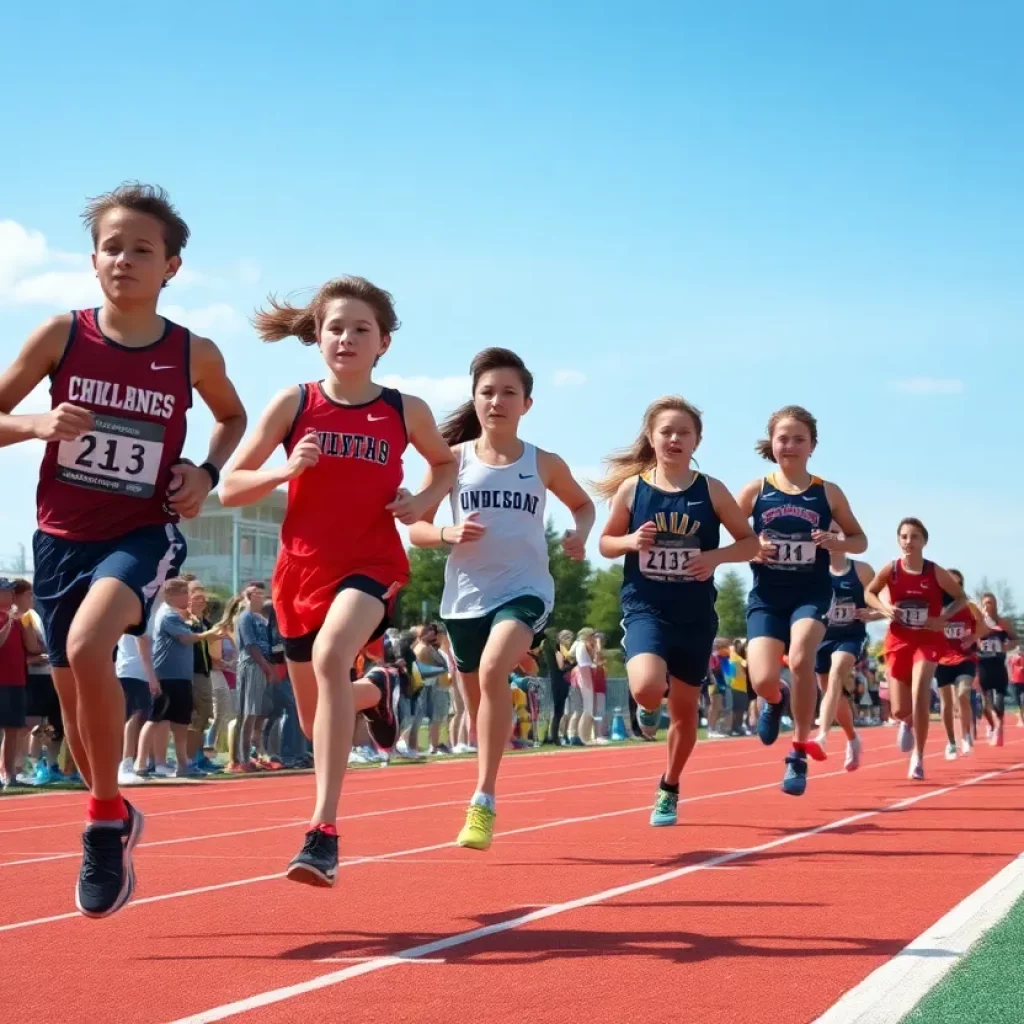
{"x": 224, "y": 661}
{"x": 581, "y": 722}
{"x": 436, "y": 681}
{"x": 134, "y": 667}
{"x": 173, "y": 663}
{"x": 738, "y": 684}
{"x": 254, "y": 675}
{"x": 283, "y": 738}
{"x": 43, "y": 715}
{"x": 15, "y": 647}
{"x": 600, "y": 691}
{"x": 202, "y": 684}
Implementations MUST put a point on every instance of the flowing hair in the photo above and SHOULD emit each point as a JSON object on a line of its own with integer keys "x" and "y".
{"x": 231, "y": 612}
{"x": 464, "y": 424}
{"x": 639, "y": 457}
{"x": 283, "y": 320}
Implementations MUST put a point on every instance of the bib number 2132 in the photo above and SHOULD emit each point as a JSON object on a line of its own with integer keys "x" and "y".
{"x": 120, "y": 456}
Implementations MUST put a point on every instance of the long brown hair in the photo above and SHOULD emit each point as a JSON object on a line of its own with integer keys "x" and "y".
{"x": 639, "y": 457}
{"x": 283, "y": 320}
{"x": 464, "y": 424}
{"x": 787, "y": 412}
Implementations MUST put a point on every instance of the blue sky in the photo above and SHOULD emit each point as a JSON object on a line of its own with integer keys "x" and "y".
{"x": 750, "y": 204}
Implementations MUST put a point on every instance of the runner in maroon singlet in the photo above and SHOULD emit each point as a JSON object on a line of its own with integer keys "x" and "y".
{"x": 111, "y": 487}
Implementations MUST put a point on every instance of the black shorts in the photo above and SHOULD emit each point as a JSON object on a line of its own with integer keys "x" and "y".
{"x": 41, "y": 697}
{"x": 66, "y": 569}
{"x": 12, "y": 707}
{"x": 300, "y": 648}
{"x": 992, "y": 674}
{"x": 1018, "y": 692}
{"x": 137, "y": 698}
{"x": 946, "y": 675}
{"x": 174, "y": 704}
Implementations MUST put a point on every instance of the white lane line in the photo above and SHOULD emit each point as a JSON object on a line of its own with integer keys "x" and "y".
{"x": 889, "y": 993}
{"x": 509, "y": 798}
{"x": 279, "y": 995}
{"x": 375, "y": 858}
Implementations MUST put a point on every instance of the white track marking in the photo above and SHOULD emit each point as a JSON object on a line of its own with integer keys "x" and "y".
{"x": 428, "y": 949}
{"x": 558, "y": 823}
{"x": 888, "y": 994}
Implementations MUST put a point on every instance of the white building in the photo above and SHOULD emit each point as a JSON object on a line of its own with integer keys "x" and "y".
{"x": 229, "y": 547}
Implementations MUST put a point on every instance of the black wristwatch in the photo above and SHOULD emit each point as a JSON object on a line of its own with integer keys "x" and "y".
{"x": 212, "y": 472}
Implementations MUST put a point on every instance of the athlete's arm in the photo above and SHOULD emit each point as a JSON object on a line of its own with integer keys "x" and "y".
{"x": 424, "y": 534}
{"x": 981, "y": 627}
{"x": 615, "y": 541}
{"x": 873, "y": 591}
{"x": 746, "y": 500}
{"x": 866, "y": 574}
{"x": 948, "y": 582}
{"x": 747, "y": 544}
{"x": 1010, "y": 632}
{"x": 442, "y": 464}
{"x": 853, "y": 541}
{"x": 246, "y": 481}
{"x": 37, "y": 359}
{"x": 558, "y": 479}
{"x": 210, "y": 379}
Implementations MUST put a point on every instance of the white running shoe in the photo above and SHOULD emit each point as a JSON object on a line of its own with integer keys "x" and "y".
{"x": 853, "y": 748}
{"x": 163, "y": 771}
{"x": 905, "y": 738}
{"x": 916, "y": 769}
{"x": 966, "y": 745}
{"x": 950, "y": 751}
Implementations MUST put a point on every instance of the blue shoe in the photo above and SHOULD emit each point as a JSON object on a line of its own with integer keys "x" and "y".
{"x": 204, "y": 764}
{"x": 54, "y": 776}
{"x": 794, "y": 782}
{"x": 664, "y": 812}
{"x": 648, "y": 721}
{"x": 769, "y": 722}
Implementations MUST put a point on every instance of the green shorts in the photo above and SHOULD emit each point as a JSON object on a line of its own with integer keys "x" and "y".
{"x": 469, "y": 636}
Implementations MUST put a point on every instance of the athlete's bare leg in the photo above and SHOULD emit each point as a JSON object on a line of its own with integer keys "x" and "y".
{"x": 921, "y": 688}
{"x": 805, "y": 638}
{"x": 834, "y": 705}
{"x": 109, "y": 610}
{"x": 682, "y": 731}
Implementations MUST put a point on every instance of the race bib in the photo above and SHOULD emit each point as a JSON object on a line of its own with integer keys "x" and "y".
{"x": 955, "y": 631}
{"x": 842, "y": 613}
{"x": 121, "y": 456}
{"x": 794, "y": 551}
{"x": 666, "y": 560}
{"x": 991, "y": 645}
{"x": 912, "y": 613}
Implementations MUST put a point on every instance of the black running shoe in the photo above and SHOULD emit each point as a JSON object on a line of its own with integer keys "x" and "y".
{"x": 107, "y": 879}
{"x": 382, "y": 719}
{"x": 317, "y": 864}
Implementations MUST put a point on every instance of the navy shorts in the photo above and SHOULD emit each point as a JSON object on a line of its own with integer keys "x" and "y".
{"x": 137, "y": 698}
{"x": 772, "y": 613}
{"x": 823, "y": 658}
{"x": 66, "y": 569}
{"x": 12, "y": 707}
{"x": 685, "y": 649}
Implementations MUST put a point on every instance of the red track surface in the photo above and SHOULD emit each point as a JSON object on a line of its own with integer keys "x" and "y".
{"x": 774, "y": 935}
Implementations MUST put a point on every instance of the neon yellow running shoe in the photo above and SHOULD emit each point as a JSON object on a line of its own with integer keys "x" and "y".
{"x": 479, "y": 828}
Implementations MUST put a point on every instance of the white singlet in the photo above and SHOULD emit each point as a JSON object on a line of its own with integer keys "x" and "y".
{"x": 511, "y": 559}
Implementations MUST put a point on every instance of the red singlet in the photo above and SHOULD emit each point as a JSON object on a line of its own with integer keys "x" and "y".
{"x": 956, "y": 652}
{"x": 113, "y": 479}
{"x": 336, "y": 524}
{"x": 917, "y": 597}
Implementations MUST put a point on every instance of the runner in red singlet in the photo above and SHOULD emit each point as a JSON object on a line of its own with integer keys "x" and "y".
{"x": 341, "y": 561}
{"x": 954, "y": 675}
{"x": 111, "y": 487}
{"x": 1015, "y": 664}
{"x": 915, "y": 590}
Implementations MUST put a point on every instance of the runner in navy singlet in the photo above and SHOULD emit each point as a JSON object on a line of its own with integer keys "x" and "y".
{"x": 795, "y": 515}
{"x": 112, "y": 485}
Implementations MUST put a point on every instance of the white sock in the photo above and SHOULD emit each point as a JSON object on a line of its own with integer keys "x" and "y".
{"x": 483, "y": 800}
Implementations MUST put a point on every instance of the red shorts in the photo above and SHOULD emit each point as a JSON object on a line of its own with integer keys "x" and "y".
{"x": 303, "y": 591}
{"x": 901, "y": 655}
{"x": 600, "y": 678}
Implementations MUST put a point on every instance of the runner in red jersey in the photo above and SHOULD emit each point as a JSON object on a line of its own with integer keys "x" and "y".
{"x": 111, "y": 487}
{"x": 341, "y": 561}
{"x": 954, "y": 675}
{"x": 915, "y": 592}
{"x": 1015, "y": 664}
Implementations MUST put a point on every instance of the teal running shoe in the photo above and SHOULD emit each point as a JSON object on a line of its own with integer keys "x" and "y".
{"x": 664, "y": 812}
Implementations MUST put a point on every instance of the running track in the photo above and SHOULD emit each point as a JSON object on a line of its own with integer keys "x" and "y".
{"x": 760, "y": 908}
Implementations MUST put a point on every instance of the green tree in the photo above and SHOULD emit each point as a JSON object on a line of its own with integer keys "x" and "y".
{"x": 426, "y": 584}
{"x": 731, "y": 606}
{"x": 572, "y": 584}
{"x": 604, "y": 610}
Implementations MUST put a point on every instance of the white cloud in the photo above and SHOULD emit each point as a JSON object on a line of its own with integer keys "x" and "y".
{"x": 211, "y": 321}
{"x": 927, "y": 386}
{"x": 442, "y": 394}
{"x": 570, "y": 378}
{"x": 33, "y": 274}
